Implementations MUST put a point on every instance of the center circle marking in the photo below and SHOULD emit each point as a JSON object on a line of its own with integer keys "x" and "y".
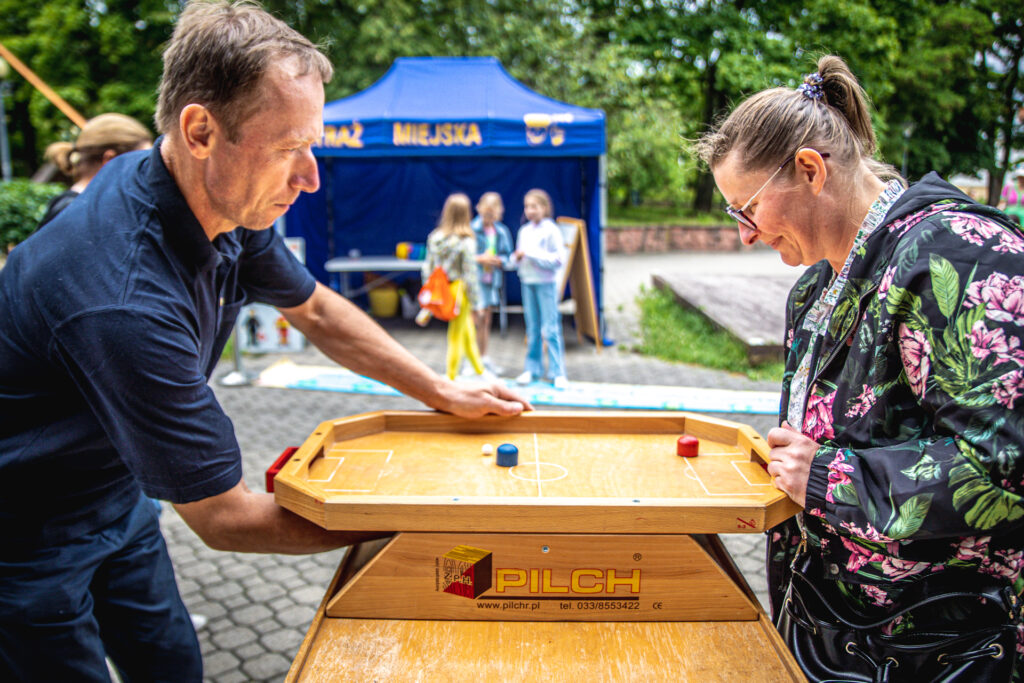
{"x": 537, "y": 472}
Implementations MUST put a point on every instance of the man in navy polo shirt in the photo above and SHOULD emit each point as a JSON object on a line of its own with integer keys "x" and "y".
{"x": 112, "y": 319}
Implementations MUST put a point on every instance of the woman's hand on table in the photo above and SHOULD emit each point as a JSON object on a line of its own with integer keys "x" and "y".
{"x": 791, "y": 455}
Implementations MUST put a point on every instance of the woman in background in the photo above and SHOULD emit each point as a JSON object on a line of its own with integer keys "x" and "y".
{"x": 102, "y": 138}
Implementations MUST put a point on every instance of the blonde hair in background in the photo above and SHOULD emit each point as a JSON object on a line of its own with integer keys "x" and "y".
{"x": 542, "y": 198}
{"x": 106, "y": 132}
{"x": 491, "y": 200}
{"x": 455, "y": 216}
{"x": 770, "y": 125}
{"x": 217, "y": 57}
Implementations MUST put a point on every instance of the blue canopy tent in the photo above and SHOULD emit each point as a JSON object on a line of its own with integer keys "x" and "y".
{"x": 432, "y": 126}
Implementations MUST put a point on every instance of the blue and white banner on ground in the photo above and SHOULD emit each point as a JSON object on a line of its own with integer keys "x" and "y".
{"x": 285, "y": 374}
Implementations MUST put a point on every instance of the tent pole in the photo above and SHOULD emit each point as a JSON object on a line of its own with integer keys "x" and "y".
{"x": 602, "y": 197}
{"x": 332, "y": 252}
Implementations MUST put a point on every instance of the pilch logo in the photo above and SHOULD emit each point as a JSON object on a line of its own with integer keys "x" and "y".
{"x": 466, "y": 571}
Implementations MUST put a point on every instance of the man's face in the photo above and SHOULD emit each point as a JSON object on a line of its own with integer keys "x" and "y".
{"x": 253, "y": 181}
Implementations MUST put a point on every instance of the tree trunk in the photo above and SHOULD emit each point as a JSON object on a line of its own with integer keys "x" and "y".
{"x": 714, "y": 100}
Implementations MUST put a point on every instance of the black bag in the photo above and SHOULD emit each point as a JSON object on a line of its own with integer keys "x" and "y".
{"x": 833, "y": 642}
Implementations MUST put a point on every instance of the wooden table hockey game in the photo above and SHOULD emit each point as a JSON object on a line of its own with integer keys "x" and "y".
{"x": 595, "y": 556}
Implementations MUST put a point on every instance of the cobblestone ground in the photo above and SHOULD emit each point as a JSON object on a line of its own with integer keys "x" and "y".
{"x": 258, "y": 607}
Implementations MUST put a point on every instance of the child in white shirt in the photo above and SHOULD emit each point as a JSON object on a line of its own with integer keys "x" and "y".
{"x": 540, "y": 251}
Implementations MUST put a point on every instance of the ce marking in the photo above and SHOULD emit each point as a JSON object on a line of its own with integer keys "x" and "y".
{"x": 656, "y": 605}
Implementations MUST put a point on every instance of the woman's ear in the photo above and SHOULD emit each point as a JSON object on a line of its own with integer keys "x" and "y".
{"x": 810, "y": 166}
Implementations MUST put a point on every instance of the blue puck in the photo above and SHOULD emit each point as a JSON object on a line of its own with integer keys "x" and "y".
{"x": 508, "y": 455}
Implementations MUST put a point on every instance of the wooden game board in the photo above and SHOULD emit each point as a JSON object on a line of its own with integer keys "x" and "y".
{"x": 578, "y": 472}
{"x": 601, "y": 535}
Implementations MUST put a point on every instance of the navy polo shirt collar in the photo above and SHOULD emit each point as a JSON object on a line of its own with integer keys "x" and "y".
{"x": 181, "y": 226}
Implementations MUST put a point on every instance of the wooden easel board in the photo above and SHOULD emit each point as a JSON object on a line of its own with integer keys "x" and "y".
{"x": 578, "y": 472}
{"x": 577, "y": 275}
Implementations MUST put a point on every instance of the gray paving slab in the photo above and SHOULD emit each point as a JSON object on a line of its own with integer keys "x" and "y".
{"x": 750, "y": 313}
{"x": 259, "y": 606}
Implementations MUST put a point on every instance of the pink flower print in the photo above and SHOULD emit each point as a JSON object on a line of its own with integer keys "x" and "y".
{"x": 914, "y": 350}
{"x": 859, "y": 555}
{"x": 817, "y": 512}
{"x": 974, "y": 229}
{"x": 1002, "y": 296}
{"x": 886, "y": 282}
{"x": 973, "y": 548}
{"x": 789, "y": 339}
{"x": 818, "y": 419}
{"x": 1009, "y": 568}
{"x": 888, "y": 628}
{"x": 985, "y": 341}
{"x": 876, "y": 595}
{"x": 895, "y": 568}
{"x": 863, "y": 403}
{"x": 837, "y": 474}
{"x": 1009, "y": 243}
{"x": 905, "y": 223}
{"x": 869, "y": 534}
{"x": 1013, "y": 558}
{"x": 1007, "y": 388}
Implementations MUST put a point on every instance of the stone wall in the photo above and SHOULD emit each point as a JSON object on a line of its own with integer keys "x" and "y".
{"x": 657, "y": 238}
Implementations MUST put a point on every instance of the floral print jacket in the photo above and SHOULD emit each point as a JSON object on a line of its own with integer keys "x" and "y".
{"x": 916, "y": 394}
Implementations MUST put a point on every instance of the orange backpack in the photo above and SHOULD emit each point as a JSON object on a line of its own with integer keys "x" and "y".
{"x": 437, "y": 296}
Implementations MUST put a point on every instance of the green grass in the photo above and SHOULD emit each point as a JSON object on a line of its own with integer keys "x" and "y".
{"x": 656, "y": 214}
{"x": 229, "y": 349}
{"x": 674, "y": 333}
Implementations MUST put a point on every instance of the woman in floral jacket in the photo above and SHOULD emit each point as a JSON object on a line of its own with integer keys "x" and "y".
{"x": 903, "y": 396}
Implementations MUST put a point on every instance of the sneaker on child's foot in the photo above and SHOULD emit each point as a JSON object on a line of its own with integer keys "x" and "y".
{"x": 492, "y": 366}
{"x": 525, "y": 378}
{"x": 561, "y": 383}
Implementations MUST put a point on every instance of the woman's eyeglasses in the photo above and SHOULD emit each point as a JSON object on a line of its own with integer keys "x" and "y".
{"x": 742, "y": 218}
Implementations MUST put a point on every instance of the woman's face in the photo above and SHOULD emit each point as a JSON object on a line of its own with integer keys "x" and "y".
{"x": 784, "y": 218}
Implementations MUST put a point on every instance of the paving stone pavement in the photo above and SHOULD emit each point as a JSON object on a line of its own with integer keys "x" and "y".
{"x": 258, "y": 607}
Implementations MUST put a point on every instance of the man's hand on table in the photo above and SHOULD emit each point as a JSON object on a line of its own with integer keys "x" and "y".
{"x": 478, "y": 399}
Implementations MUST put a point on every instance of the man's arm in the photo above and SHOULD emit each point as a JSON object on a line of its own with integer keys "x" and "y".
{"x": 240, "y": 520}
{"x": 351, "y": 338}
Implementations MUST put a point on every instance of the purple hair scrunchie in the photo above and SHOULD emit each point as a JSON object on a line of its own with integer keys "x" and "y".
{"x": 811, "y": 87}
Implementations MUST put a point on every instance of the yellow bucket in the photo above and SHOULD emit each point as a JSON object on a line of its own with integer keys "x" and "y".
{"x": 383, "y": 301}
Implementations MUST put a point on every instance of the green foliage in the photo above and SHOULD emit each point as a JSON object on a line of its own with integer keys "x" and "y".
{"x": 22, "y": 204}
{"x": 945, "y": 78}
{"x": 673, "y": 333}
{"x": 983, "y": 504}
{"x": 661, "y": 214}
{"x": 910, "y": 518}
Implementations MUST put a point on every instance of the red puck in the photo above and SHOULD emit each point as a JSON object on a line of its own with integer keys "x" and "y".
{"x": 687, "y": 446}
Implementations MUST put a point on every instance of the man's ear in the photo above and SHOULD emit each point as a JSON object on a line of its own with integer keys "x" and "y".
{"x": 810, "y": 166}
{"x": 198, "y": 129}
